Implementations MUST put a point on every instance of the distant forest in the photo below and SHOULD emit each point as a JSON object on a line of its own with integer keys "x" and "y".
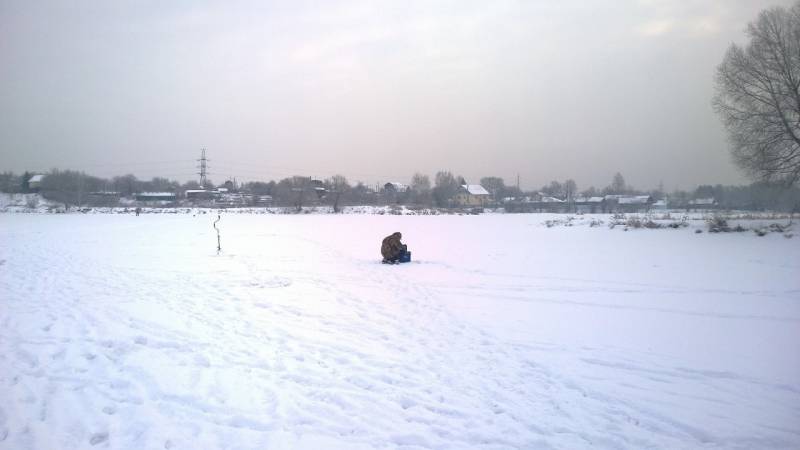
{"x": 75, "y": 188}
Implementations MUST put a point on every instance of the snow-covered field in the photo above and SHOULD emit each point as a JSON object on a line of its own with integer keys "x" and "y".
{"x": 132, "y": 332}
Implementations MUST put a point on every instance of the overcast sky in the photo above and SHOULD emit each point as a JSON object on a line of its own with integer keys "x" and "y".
{"x": 373, "y": 90}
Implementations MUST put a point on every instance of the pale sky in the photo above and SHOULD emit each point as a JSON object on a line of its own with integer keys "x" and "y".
{"x": 372, "y": 90}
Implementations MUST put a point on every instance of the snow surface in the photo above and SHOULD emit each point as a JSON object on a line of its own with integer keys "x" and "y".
{"x": 131, "y": 332}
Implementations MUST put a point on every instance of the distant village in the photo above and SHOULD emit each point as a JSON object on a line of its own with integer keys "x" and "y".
{"x": 445, "y": 191}
{"x": 301, "y": 192}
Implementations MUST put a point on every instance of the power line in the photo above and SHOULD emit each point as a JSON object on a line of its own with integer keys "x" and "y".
{"x": 137, "y": 163}
{"x": 284, "y": 170}
{"x": 234, "y": 166}
{"x": 174, "y": 168}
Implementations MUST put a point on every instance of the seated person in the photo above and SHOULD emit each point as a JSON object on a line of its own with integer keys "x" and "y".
{"x": 392, "y": 249}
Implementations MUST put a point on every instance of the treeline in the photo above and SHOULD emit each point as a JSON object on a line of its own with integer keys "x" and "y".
{"x": 73, "y": 188}
{"x": 759, "y": 196}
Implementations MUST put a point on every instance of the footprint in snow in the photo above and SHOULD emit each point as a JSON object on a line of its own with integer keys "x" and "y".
{"x": 98, "y": 438}
{"x": 276, "y": 282}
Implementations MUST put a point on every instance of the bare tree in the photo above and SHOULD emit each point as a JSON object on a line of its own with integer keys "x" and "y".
{"x": 160, "y": 184}
{"x": 127, "y": 185}
{"x": 336, "y": 186}
{"x": 69, "y": 187}
{"x": 496, "y": 186}
{"x": 421, "y": 189}
{"x": 294, "y": 191}
{"x": 617, "y": 186}
{"x": 363, "y": 195}
{"x": 758, "y": 97}
{"x": 554, "y": 189}
{"x": 260, "y": 187}
{"x": 9, "y": 182}
{"x": 446, "y": 188}
{"x": 570, "y": 189}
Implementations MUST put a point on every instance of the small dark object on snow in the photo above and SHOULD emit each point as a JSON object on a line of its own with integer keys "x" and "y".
{"x": 778, "y": 228}
{"x": 718, "y": 224}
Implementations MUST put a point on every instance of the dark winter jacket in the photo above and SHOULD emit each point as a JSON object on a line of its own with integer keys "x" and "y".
{"x": 391, "y": 247}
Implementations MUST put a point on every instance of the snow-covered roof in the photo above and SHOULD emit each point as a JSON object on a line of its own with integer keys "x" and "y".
{"x": 155, "y": 194}
{"x": 399, "y": 187}
{"x": 588, "y": 199}
{"x": 475, "y": 189}
{"x": 195, "y": 191}
{"x": 634, "y": 200}
{"x": 703, "y": 201}
{"x": 36, "y": 178}
{"x": 548, "y": 199}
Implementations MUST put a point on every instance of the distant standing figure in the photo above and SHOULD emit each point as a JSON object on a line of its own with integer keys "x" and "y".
{"x": 138, "y": 210}
{"x": 393, "y": 250}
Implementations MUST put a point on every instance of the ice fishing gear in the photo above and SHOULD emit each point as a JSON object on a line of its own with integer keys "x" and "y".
{"x": 219, "y": 246}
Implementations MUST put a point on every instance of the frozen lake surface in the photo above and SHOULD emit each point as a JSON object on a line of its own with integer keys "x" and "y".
{"x": 132, "y": 332}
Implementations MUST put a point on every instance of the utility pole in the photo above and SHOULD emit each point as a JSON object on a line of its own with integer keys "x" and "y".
{"x": 517, "y": 181}
{"x": 203, "y": 168}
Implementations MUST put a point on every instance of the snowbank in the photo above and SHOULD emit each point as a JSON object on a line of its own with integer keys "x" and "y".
{"x": 25, "y": 203}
